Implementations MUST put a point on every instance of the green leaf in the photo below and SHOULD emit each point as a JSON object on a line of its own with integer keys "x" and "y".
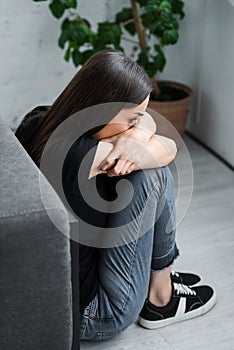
{"x": 175, "y": 25}
{"x": 159, "y": 30}
{"x": 77, "y": 57}
{"x": 78, "y": 35}
{"x": 109, "y": 33}
{"x": 63, "y": 39}
{"x": 93, "y": 38}
{"x": 87, "y": 54}
{"x": 67, "y": 54}
{"x": 142, "y": 2}
{"x": 124, "y": 15}
{"x": 165, "y": 4}
{"x": 70, "y": 3}
{"x": 154, "y": 27}
{"x": 166, "y": 15}
{"x": 65, "y": 24}
{"x": 152, "y": 5}
{"x": 130, "y": 28}
{"x": 57, "y": 8}
{"x": 158, "y": 49}
{"x": 170, "y": 37}
{"x": 143, "y": 61}
{"x": 143, "y": 58}
{"x": 151, "y": 69}
{"x": 147, "y": 19}
{"x": 79, "y": 32}
{"x": 177, "y": 6}
{"x": 160, "y": 61}
{"x": 87, "y": 22}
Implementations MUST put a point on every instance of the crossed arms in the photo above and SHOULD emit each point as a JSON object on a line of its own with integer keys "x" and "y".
{"x": 139, "y": 147}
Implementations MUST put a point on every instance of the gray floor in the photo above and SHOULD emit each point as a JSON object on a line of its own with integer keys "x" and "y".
{"x": 206, "y": 241}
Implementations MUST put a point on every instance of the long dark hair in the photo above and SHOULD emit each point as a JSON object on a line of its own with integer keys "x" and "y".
{"x": 108, "y": 76}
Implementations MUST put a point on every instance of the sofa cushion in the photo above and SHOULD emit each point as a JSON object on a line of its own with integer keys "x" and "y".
{"x": 35, "y": 261}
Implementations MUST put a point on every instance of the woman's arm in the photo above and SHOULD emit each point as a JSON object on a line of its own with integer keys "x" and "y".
{"x": 134, "y": 153}
{"x": 138, "y": 153}
{"x": 136, "y": 148}
{"x": 146, "y": 123}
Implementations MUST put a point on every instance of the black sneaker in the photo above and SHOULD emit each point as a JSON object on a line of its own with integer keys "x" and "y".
{"x": 185, "y": 303}
{"x": 189, "y": 279}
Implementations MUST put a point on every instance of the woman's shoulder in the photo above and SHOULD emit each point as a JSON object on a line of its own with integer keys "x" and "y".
{"x": 24, "y": 132}
{"x": 34, "y": 113}
{"x": 31, "y": 117}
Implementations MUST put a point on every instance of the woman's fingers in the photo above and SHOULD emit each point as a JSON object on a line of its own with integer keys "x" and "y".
{"x": 125, "y": 167}
{"x": 131, "y": 168}
{"x": 120, "y": 168}
{"x": 107, "y": 165}
{"x": 110, "y": 160}
{"x": 117, "y": 168}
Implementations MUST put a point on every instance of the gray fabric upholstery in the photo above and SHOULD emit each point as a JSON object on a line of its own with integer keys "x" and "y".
{"x": 35, "y": 261}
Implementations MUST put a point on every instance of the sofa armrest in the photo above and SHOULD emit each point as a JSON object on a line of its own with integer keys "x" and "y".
{"x": 35, "y": 260}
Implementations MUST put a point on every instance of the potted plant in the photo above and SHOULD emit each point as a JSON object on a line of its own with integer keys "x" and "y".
{"x": 155, "y": 23}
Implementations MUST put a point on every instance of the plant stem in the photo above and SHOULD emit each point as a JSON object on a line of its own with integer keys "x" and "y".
{"x": 81, "y": 20}
{"x": 75, "y": 14}
{"x": 131, "y": 20}
{"x": 155, "y": 86}
{"x": 142, "y": 41}
{"x": 137, "y": 21}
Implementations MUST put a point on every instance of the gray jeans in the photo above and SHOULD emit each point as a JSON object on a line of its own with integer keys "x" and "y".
{"x": 125, "y": 270}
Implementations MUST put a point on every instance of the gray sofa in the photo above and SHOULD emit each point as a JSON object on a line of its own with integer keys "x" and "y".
{"x": 37, "y": 262}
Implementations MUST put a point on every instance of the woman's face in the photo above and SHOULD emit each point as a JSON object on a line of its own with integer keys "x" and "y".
{"x": 126, "y": 118}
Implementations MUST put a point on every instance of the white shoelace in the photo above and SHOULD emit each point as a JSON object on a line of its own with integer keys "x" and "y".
{"x": 175, "y": 274}
{"x": 183, "y": 289}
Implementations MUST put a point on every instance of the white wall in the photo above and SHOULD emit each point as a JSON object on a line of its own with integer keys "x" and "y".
{"x": 32, "y": 67}
{"x": 34, "y": 72}
{"x": 204, "y": 59}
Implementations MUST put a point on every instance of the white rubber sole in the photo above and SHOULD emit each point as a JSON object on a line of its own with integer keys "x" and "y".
{"x": 191, "y": 314}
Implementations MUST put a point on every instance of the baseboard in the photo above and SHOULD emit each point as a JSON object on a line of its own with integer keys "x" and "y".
{"x": 194, "y": 138}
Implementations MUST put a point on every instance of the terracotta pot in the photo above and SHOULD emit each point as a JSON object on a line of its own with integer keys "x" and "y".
{"x": 176, "y": 112}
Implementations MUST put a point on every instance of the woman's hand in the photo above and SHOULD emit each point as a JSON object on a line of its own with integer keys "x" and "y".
{"x": 137, "y": 148}
{"x": 129, "y": 148}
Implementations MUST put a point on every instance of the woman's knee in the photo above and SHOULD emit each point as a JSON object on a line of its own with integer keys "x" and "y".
{"x": 151, "y": 176}
{"x": 141, "y": 176}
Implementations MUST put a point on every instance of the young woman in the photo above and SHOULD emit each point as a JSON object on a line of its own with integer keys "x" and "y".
{"x": 129, "y": 274}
